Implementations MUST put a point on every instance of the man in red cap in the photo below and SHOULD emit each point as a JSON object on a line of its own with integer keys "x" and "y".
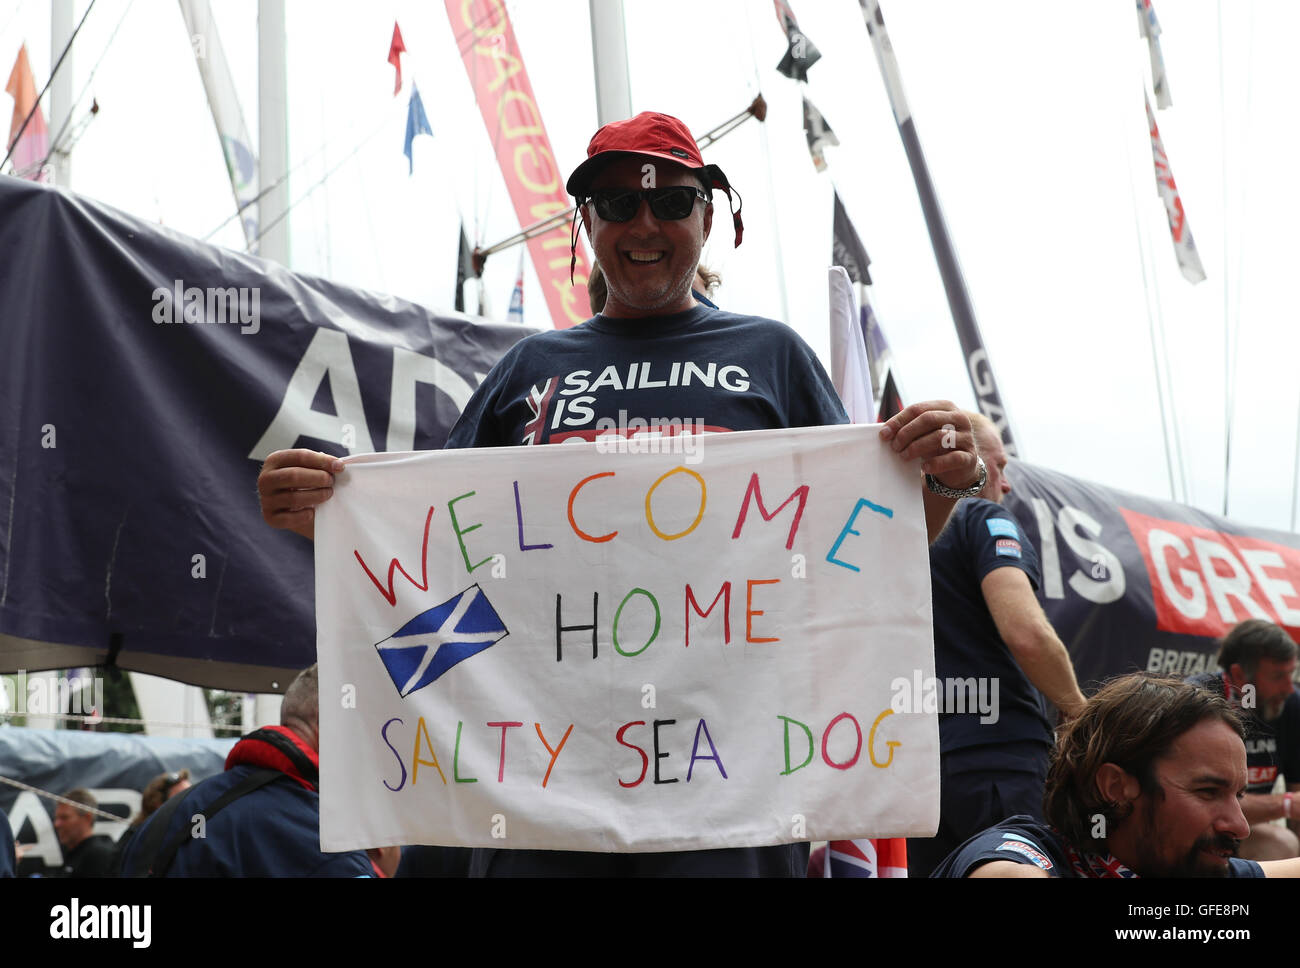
{"x": 654, "y": 357}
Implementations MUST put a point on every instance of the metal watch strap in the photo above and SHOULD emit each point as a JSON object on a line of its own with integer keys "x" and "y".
{"x": 943, "y": 490}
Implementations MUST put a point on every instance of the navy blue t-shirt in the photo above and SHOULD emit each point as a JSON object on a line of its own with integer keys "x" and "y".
{"x": 981, "y": 537}
{"x": 1024, "y": 840}
{"x": 1271, "y": 747}
{"x": 701, "y": 371}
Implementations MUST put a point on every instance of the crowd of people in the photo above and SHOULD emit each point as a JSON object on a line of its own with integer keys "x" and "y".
{"x": 1149, "y": 777}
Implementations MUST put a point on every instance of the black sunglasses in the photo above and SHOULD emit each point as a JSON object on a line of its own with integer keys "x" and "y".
{"x": 666, "y": 204}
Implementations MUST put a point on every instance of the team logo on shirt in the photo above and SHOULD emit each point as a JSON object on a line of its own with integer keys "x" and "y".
{"x": 1028, "y": 851}
{"x": 565, "y": 406}
{"x": 1002, "y": 528}
{"x": 1008, "y": 547}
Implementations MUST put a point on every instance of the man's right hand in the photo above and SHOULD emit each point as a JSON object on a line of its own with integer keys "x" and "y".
{"x": 292, "y": 484}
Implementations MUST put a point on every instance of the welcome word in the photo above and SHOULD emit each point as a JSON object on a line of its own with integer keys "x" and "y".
{"x": 753, "y": 496}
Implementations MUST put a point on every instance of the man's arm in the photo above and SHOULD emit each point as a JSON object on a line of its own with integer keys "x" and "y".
{"x": 1262, "y": 807}
{"x": 1030, "y": 637}
{"x": 1007, "y": 868}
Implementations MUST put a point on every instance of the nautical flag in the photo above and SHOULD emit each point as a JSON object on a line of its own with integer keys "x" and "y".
{"x": 395, "y": 51}
{"x": 223, "y": 99}
{"x": 464, "y": 269}
{"x": 1184, "y": 248}
{"x": 416, "y": 123}
{"x": 32, "y": 149}
{"x": 819, "y": 134}
{"x": 846, "y": 248}
{"x": 888, "y": 400}
{"x": 850, "y": 370}
{"x": 435, "y": 640}
{"x": 1149, "y": 28}
{"x": 516, "y": 312}
{"x": 800, "y": 53}
{"x": 866, "y": 858}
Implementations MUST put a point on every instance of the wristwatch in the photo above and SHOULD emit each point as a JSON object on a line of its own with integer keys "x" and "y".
{"x": 943, "y": 490}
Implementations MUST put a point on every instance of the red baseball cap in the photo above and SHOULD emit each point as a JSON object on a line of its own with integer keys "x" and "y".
{"x": 652, "y": 135}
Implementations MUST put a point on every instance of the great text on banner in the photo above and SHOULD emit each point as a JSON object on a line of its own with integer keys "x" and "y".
{"x": 514, "y": 126}
{"x": 579, "y": 648}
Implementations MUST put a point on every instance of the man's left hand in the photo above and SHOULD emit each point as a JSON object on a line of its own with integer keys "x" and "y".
{"x": 941, "y": 436}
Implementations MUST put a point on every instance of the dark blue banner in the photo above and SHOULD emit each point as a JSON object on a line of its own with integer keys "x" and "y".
{"x": 143, "y": 378}
{"x": 1134, "y": 583}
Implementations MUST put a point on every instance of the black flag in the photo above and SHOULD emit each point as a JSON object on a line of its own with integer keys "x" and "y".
{"x": 846, "y": 248}
{"x": 819, "y": 134}
{"x": 800, "y": 53}
{"x": 464, "y": 269}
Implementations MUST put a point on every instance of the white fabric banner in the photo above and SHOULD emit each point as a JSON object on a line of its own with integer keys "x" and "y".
{"x": 650, "y": 644}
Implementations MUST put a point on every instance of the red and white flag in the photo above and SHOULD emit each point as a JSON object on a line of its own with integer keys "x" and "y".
{"x": 34, "y": 145}
{"x": 1149, "y": 28}
{"x": 1184, "y": 248}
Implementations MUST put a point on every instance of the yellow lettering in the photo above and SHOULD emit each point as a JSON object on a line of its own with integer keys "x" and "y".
{"x": 553, "y": 180}
{"x": 475, "y": 23}
{"x": 649, "y": 514}
{"x": 871, "y": 742}
{"x": 516, "y": 131}
{"x": 422, "y": 730}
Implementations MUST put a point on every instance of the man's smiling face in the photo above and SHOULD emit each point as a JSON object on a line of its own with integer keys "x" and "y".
{"x": 648, "y": 263}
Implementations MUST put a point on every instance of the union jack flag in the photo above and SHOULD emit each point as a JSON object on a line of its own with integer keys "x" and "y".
{"x": 866, "y": 858}
{"x": 539, "y": 402}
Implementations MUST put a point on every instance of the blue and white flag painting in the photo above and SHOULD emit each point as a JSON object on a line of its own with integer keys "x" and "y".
{"x": 435, "y": 640}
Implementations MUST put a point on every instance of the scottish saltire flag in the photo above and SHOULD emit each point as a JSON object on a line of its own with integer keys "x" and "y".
{"x": 819, "y": 134}
{"x": 1149, "y": 29}
{"x": 1184, "y": 247}
{"x": 516, "y": 312}
{"x": 416, "y": 123}
{"x": 866, "y": 858}
{"x": 435, "y": 640}
{"x": 29, "y": 151}
{"x": 800, "y": 52}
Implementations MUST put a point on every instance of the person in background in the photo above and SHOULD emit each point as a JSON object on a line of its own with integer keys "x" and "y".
{"x": 991, "y": 633}
{"x": 1258, "y": 662}
{"x": 85, "y": 853}
{"x": 1145, "y": 782}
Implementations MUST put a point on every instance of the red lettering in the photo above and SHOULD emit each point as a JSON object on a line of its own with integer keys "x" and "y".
{"x": 645, "y": 760}
{"x": 395, "y": 565}
{"x": 724, "y": 593}
{"x": 800, "y": 492}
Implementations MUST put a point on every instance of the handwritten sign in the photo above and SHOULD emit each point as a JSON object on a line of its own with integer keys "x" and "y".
{"x": 570, "y": 648}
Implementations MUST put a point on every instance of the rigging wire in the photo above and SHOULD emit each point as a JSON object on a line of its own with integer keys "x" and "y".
{"x": 54, "y": 142}
{"x": 281, "y": 180}
{"x": 37, "y": 103}
{"x": 1146, "y": 289}
{"x": 263, "y": 229}
{"x": 771, "y": 191}
{"x": 14, "y": 16}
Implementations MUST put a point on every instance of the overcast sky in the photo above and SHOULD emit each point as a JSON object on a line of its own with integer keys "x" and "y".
{"x": 1030, "y": 115}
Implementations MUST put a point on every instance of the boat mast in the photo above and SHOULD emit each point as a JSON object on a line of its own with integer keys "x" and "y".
{"x": 272, "y": 132}
{"x": 609, "y": 56}
{"x": 61, "y": 25}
